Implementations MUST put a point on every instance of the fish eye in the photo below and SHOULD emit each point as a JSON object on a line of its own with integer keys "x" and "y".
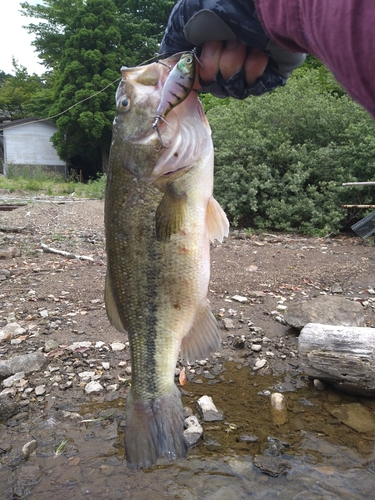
{"x": 189, "y": 60}
{"x": 124, "y": 104}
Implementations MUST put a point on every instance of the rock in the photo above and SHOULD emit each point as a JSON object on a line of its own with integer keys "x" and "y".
{"x": 355, "y": 416}
{"x": 105, "y": 365}
{"x": 256, "y": 347}
{"x": 44, "y": 313}
{"x": 193, "y": 431}
{"x": 93, "y": 387}
{"x": 326, "y": 309}
{"x": 27, "y": 363}
{"x": 117, "y": 346}
{"x": 8, "y": 382}
{"x": 28, "y": 448}
{"x": 279, "y": 411}
{"x": 11, "y": 330}
{"x": 274, "y": 466}
{"x": 208, "y": 410}
{"x": 8, "y": 408}
{"x": 228, "y": 324}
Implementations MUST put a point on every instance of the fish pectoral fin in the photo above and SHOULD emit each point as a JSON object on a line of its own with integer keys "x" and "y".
{"x": 170, "y": 214}
{"x": 203, "y": 338}
{"x": 216, "y": 220}
{"x": 111, "y": 308}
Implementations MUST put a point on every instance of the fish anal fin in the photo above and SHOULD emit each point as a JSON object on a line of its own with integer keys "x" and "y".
{"x": 170, "y": 214}
{"x": 110, "y": 305}
{"x": 203, "y": 338}
{"x": 216, "y": 220}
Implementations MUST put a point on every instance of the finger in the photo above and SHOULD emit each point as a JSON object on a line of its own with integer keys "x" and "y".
{"x": 209, "y": 58}
{"x": 255, "y": 65}
{"x": 232, "y": 58}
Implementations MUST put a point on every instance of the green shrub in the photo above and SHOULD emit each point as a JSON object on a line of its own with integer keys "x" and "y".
{"x": 280, "y": 159}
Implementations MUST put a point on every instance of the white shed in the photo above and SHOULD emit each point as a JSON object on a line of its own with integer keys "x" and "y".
{"x": 27, "y": 142}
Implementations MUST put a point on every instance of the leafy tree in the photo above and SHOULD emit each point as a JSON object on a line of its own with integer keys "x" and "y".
{"x": 90, "y": 62}
{"x": 54, "y": 29}
{"x": 280, "y": 159}
{"x": 18, "y": 91}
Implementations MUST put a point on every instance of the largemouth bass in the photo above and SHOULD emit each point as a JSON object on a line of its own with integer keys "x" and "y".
{"x": 160, "y": 217}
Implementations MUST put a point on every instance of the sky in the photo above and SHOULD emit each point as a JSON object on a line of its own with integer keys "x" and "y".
{"x": 14, "y": 40}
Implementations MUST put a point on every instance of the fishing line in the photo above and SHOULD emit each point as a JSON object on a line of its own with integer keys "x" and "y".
{"x": 95, "y": 94}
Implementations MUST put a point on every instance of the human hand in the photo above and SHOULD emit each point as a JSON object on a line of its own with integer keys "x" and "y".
{"x": 238, "y": 59}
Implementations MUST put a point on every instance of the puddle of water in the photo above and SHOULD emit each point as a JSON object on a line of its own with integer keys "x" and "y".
{"x": 326, "y": 458}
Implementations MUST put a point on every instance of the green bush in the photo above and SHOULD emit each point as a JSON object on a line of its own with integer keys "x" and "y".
{"x": 280, "y": 159}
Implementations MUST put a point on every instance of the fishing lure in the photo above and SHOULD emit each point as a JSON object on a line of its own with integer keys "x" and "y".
{"x": 177, "y": 87}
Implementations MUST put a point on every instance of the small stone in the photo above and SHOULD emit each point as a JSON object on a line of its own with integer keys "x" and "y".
{"x": 10, "y": 381}
{"x": 240, "y": 298}
{"x": 86, "y": 375}
{"x": 279, "y": 411}
{"x": 193, "y": 431}
{"x": 106, "y": 365}
{"x": 40, "y": 390}
{"x": 112, "y": 387}
{"x": 256, "y": 347}
{"x": 228, "y": 324}
{"x": 319, "y": 385}
{"x": 28, "y": 448}
{"x": 248, "y": 438}
{"x": 8, "y": 407}
{"x": 44, "y": 313}
{"x": 50, "y": 345}
{"x": 93, "y": 387}
{"x": 259, "y": 364}
{"x": 336, "y": 288}
{"x": 128, "y": 370}
{"x": 11, "y": 330}
{"x": 281, "y": 307}
{"x": 117, "y": 346}
{"x": 239, "y": 342}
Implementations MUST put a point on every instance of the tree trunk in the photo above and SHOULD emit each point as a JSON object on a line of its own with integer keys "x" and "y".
{"x": 342, "y": 356}
{"x": 105, "y": 160}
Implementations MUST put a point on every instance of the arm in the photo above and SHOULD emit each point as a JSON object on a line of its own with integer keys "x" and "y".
{"x": 340, "y": 33}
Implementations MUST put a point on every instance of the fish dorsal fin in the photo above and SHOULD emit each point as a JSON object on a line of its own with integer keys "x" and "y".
{"x": 170, "y": 214}
{"x": 111, "y": 308}
{"x": 217, "y": 222}
{"x": 203, "y": 338}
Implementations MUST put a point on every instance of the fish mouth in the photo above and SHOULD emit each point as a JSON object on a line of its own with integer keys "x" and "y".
{"x": 172, "y": 172}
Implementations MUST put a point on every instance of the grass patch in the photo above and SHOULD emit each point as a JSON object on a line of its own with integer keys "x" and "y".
{"x": 39, "y": 180}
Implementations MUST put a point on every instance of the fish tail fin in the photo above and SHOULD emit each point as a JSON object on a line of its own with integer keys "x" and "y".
{"x": 154, "y": 429}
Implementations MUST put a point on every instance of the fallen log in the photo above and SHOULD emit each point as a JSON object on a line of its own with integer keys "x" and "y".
{"x": 340, "y": 355}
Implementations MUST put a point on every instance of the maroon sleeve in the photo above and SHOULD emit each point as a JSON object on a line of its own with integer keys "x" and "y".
{"x": 341, "y": 33}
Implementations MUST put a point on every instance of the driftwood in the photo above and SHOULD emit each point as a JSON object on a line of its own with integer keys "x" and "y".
{"x": 68, "y": 255}
{"x": 342, "y": 356}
